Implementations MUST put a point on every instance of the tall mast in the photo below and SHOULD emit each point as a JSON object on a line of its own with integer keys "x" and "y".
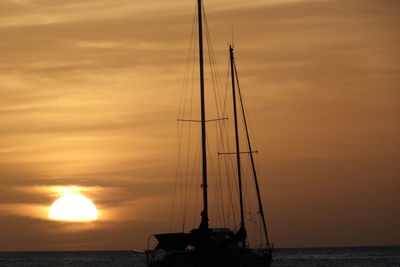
{"x": 260, "y": 206}
{"x": 204, "y": 214}
{"x": 239, "y": 172}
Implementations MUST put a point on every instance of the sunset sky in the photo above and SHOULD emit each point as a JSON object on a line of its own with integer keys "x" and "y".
{"x": 89, "y": 96}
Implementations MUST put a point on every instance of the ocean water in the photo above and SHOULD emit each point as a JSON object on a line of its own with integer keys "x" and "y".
{"x": 299, "y": 257}
{"x": 344, "y": 257}
{"x": 72, "y": 259}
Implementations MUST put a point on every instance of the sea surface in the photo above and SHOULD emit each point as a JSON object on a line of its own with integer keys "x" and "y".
{"x": 346, "y": 256}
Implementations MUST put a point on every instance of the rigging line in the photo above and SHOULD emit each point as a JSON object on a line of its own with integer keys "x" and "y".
{"x": 188, "y": 150}
{"x": 233, "y": 166}
{"x": 226, "y": 87}
{"x": 180, "y": 150}
{"x": 175, "y": 184}
{"x": 237, "y": 147}
{"x": 226, "y": 102}
{"x": 181, "y": 184}
{"x": 252, "y": 162}
{"x": 219, "y": 191}
{"x": 218, "y": 188}
{"x": 181, "y": 168}
{"x": 179, "y": 165}
{"x": 213, "y": 69}
{"x": 186, "y": 85}
{"x": 217, "y": 99}
{"x": 232, "y": 194}
{"x": 219, "y": 130}
{"x": 248, "y": 201}
{"x": 221, "y": 127}
{"x": 188, "y": 60}
{"x": 228, "y": 167}
{"x": 189, "y": 143}
{"x": 212, "y": 178}
{"x": 195, "y": 175}
{"x": 245, "y": 116}
{"x": 213, "y": 66}
{"x": 215, "y": 81}
{"x": 225, "y": 129}
{"x": 219, "y": 168}
{"x": 182, "y": 109}
{"x": 211, "y": 175}
{"x": 245, "y": 187}
{"x": 192, "y": 177}
{"x": 196, "y": 155}
{"x": 186, "y": 89}
{"x": 218, "y": 96}
{"x": 196, "y": 200}
{"x": 260, "y": 231}
{"x": 226, "y": 126}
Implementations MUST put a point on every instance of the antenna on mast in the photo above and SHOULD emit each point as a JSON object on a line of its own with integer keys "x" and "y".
{"x": 232, "y": 41}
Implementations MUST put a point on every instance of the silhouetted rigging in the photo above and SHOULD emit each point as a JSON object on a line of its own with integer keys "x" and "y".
{"x": 205, "y": 246}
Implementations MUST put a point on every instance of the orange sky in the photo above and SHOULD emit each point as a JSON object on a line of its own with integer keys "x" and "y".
{"x": 89, "y": 95}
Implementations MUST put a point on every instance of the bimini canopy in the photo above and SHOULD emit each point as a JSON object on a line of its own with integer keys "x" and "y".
{"x": 173, "y": 241}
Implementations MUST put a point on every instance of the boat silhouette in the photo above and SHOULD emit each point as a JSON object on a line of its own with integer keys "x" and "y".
{"x": 206, "y": 246}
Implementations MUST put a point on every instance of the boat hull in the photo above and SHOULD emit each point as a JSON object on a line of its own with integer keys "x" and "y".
{"x": 194, "y": 258}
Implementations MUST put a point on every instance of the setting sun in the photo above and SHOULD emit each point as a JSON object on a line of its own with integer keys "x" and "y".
{"x": 73, "y": 207}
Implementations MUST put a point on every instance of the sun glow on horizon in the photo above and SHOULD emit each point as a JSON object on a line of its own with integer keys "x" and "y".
{"x": 73, "y": 207}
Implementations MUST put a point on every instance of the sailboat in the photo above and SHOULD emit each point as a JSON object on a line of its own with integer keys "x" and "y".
{"x": 205, "y": 246}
